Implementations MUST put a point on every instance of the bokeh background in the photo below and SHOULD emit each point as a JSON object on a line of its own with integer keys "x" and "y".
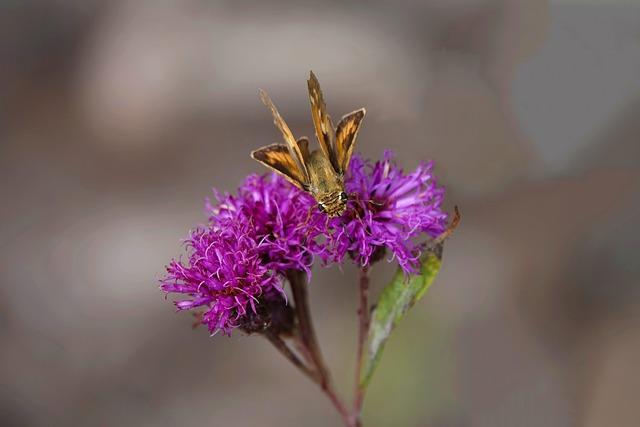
{"x": 117, "y": 118}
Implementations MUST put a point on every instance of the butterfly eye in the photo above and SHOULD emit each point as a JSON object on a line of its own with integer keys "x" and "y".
{"x": 321, "y": 208}
{"x": 343, "y": 196}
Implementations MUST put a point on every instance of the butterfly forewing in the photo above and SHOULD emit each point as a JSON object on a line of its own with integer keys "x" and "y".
{"x": 290, "y": 141}
{"x": 321, "y": 121}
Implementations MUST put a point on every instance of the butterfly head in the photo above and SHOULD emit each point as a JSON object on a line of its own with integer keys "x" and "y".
{"x": 334, "y": 204}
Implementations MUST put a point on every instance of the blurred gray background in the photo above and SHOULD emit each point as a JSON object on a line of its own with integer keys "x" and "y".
{"x": 117, "y": 117}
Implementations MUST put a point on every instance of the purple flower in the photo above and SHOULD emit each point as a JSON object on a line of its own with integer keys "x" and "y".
{"x": 236, "y": 263}
{"x": 388, "y": 210}
{"x": 283, "y": 218}
{"x": 224, "y": 273}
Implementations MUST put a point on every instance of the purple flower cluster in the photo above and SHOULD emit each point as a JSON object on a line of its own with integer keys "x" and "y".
{"x": 238, "y": 260}
{"x": 388, "y": 210}
{"x": 236, "y": 263}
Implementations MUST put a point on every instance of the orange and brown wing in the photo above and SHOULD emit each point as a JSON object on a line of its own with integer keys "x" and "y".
{"x": 278, "y": 157}
{"x": 321, "y": 121}
{"x": 346, "y": 137}
{"x": 291, "y": 144}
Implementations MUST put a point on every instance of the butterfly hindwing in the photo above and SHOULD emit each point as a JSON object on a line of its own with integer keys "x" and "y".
{"x": 346, "y": 138}
{"x": 303, "y": 146}
{"x": 278, "y": 157}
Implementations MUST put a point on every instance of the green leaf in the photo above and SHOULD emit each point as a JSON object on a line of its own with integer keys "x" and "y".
{"x": 395, "y": 300}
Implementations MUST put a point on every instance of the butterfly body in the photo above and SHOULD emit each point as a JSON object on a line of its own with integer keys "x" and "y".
{"x": 319, "y": 172}
{"x": 326, "y": 186}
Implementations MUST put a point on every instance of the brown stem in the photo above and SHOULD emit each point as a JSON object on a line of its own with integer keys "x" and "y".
{"x": 282, "y": 347}
{"x": 337, "y": 403}
{"x": 363, "y": 329}
{"x": 302, "y": 349}
{"x": 309, "y": 342}
{"x": 307, "y": 332}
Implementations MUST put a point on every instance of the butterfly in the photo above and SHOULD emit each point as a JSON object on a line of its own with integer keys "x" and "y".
{"x": 318, "y": 172}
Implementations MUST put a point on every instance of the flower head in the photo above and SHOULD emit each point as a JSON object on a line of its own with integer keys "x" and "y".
{"x": 283, "y": 218}
{"x": 388, "y": 210}
{"x": 224, "y": 273}
{"x": 237, "y": 261}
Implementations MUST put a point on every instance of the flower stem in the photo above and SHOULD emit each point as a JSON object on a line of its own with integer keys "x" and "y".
{"x": 340, "y": 407}
{"x": 282, "y": 347}
{"x": 307, "y": 332}
{"x": 310, "y": 343}
{"x": 363, "y": 329}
